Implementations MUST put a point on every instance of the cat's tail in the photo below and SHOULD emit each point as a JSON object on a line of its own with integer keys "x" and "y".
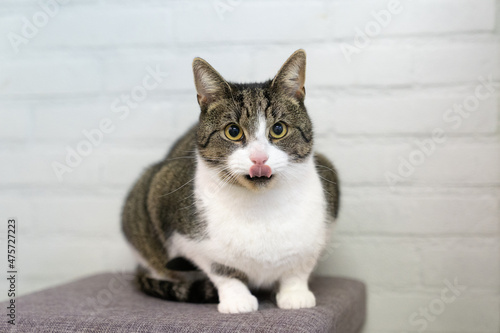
{"x": 182, "y": 290}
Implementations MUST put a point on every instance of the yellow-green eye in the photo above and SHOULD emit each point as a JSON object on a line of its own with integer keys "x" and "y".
{"x": 233, "y": 132}
{"x": 278, "y": 130}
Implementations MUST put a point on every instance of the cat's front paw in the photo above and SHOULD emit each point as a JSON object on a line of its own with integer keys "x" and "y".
{"x": 238, "y": 304}
{"x": 295, "y": 299}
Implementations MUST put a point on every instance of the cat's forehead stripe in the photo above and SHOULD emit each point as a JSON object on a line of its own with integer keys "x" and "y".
{"x": 253, "y": 105}
{"x": 261, "y": 128}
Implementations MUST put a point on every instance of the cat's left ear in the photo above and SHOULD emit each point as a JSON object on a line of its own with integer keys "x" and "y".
{"x": 210, "y": 85}
{"x": 292, "y": 76}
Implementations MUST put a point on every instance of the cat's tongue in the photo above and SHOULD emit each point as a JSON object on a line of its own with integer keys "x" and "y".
{"x": 262, "y": 170}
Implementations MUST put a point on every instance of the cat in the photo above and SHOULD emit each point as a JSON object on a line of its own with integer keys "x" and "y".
{"x": 241, "y": 202}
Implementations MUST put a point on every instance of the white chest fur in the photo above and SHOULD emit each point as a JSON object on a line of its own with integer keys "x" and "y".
{"x": 262, "y": 233}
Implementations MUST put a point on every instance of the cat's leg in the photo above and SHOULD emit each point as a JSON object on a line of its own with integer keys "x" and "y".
{"x": 294, "y": 291}
{"x": 234, "y": 296}
{"x": 231, "y": 284}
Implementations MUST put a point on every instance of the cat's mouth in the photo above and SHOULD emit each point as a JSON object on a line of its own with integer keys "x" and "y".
{"x": 259, "y": 180}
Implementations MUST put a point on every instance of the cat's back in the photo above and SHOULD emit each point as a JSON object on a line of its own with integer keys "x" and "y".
{"x": 184, "y": 147}
{"x": 161, "y": 199}
{"x": 170, "y": 199}
{"x": 330, "y": 183}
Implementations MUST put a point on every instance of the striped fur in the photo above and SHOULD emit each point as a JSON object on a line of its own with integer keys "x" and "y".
{"x": 195, "y": 291}
{"x": 168, "y": 227}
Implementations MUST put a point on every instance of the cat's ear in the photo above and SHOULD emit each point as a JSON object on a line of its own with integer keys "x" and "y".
{"x": 210, "y": 85}
{"x": 292, "y": 76}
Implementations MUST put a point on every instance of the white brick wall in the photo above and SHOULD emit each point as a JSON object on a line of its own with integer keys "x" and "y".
{"x": 440, "y": 221}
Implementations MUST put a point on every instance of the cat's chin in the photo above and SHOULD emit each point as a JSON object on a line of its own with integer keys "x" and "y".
{"x": 257, "y": 183}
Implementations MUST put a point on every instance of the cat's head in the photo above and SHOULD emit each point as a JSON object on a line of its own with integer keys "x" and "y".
{"x": 254, "y": 134}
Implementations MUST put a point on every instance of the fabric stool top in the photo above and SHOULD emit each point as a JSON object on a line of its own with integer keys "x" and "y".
{"x": 110, "y": 303}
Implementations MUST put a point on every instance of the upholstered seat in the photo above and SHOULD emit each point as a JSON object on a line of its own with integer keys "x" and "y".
{"x": 111, "y": 303}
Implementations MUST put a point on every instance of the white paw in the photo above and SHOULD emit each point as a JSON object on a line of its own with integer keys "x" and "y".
{"x": 238, "y": 303}
{"x": 295, "y": 299}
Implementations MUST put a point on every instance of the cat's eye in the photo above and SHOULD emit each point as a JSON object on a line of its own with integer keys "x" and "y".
{"x": 278, "y": 130}
{"x": 233, "y": 132}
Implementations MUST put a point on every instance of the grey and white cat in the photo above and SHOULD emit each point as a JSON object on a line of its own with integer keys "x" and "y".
{"x": 240, "y": 202}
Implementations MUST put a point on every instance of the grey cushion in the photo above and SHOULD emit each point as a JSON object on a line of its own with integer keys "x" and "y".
{"x": 110, "y": 303}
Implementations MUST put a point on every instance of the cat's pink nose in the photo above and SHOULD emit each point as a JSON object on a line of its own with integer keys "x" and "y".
{"x": 259, "y": 157}
{"x": 259, "y": 168}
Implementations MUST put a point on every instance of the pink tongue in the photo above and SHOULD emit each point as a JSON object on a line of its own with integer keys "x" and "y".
{"x": 262, "y": 170}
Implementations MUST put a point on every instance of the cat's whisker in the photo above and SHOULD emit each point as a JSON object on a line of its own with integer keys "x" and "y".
{"x": 326, "y": 180}
{"x": 230, "y": 176}
{"x": 209, "y": 158}
{"x": 190, "y": 205}
{"x": 327, "y": 192}
{"x": 325, "y": 167}
{"x": 189, "y": 181}
{"x": 179, "y": 158}
{"x": 221, "y": 174}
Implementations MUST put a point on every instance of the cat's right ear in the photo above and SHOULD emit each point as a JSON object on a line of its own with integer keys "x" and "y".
{"x": 210, "y": 85}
